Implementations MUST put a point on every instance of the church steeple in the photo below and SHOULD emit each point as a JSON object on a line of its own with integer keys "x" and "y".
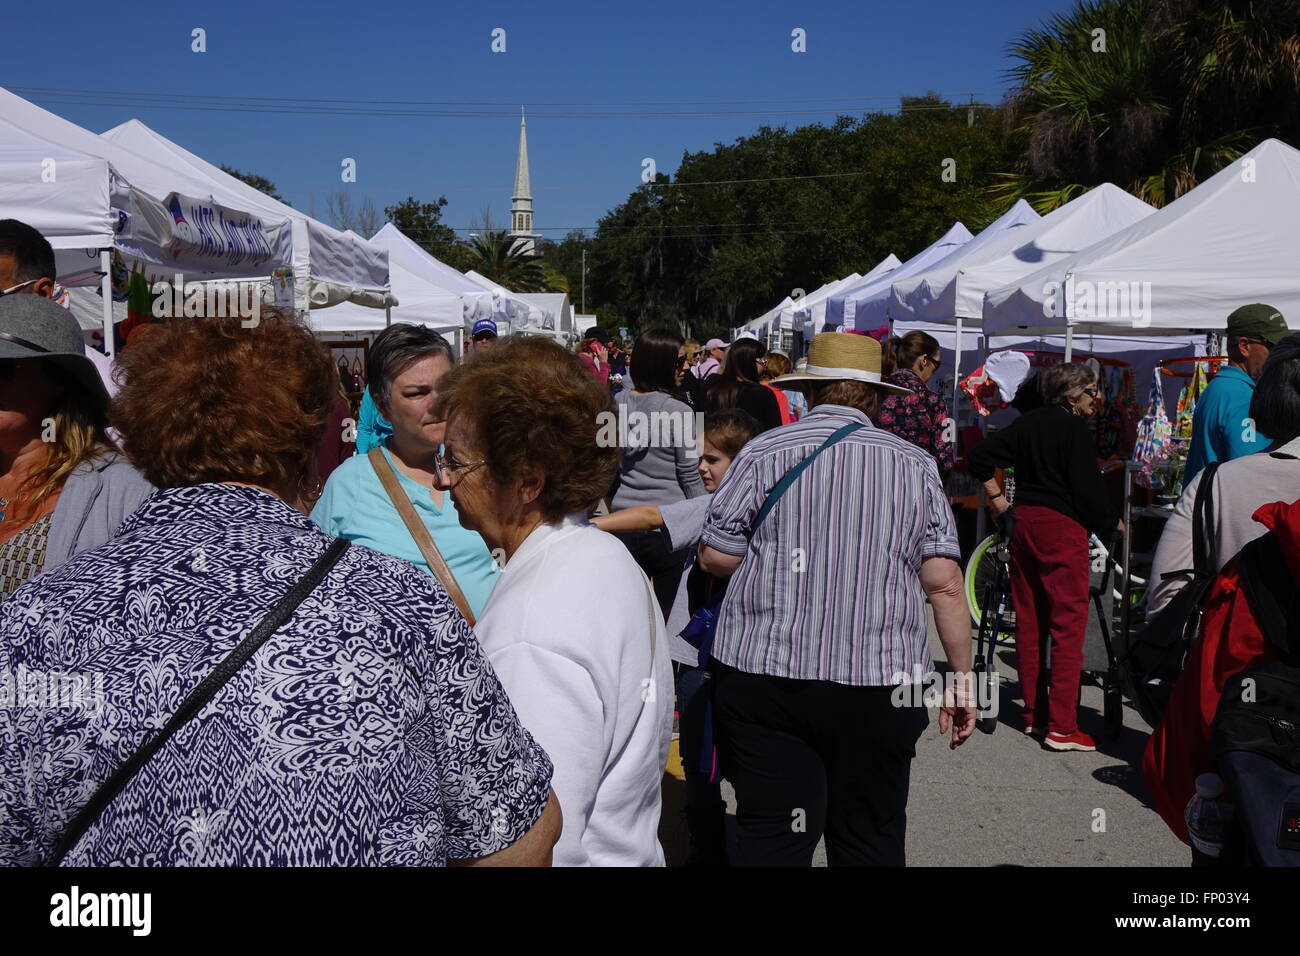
{"x": 521, "y": 203}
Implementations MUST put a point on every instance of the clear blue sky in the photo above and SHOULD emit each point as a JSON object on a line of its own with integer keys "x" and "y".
{"x": 859, "y": 55}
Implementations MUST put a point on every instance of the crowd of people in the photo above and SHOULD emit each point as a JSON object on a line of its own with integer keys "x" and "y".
{"x": 474, "y": 641}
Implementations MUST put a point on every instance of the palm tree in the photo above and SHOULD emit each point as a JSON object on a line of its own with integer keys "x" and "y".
{"x": 1153, "y": 95}
{"x": 500, "y": 257}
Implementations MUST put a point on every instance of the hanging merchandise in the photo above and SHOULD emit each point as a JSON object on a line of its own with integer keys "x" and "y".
{"x": 1110, "y": 423}
{"x": 994, "y": 384}
{"x": 1154, "y": 433}
{"x": 1187, "y": 402}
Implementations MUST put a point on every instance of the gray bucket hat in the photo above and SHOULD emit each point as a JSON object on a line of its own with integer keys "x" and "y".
{"x": 35, "y": 327}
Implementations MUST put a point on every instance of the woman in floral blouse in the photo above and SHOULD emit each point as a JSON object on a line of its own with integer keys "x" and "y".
{"x": 921, "y": 417}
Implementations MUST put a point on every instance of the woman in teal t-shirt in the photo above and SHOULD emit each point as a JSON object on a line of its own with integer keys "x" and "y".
{"x": 402, "y": 370}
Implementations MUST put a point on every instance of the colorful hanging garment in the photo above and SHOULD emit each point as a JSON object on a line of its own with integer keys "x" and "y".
{"x": 1154, "y": 432}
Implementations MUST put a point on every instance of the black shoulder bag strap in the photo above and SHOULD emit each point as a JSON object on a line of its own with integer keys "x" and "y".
{"x": 198, "y": 698}
{"x": 1203, "y": 524}
{"x": 793, "y": 474}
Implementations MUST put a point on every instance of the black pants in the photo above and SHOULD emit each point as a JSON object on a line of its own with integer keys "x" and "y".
{"x": 663, "y": 567}
{"x": 808, "y": 757}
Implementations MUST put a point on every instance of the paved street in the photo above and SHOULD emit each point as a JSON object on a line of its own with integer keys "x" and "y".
{"x": 1002, "y": 800}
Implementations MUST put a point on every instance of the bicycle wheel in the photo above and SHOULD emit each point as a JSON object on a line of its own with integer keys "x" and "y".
{"x": 980, "y": 570}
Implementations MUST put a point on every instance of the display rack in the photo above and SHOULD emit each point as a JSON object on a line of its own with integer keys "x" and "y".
{"x": 1131, "y": 515}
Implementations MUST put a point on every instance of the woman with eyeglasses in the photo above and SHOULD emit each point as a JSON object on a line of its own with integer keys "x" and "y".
{"x": 402, "y": 372}
{"x": 572, "y": 629}
{"x": 660, "y": 453}
{"x": 921, "y": 417}
{"x": 1060, "y": 498}
{"x": 64, "y": 488}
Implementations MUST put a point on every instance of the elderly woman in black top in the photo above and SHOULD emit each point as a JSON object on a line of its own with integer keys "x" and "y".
{"x": 1059, "y": 500}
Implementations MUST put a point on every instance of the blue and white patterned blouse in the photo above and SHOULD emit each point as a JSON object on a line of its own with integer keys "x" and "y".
{"x": 368, "y": 730}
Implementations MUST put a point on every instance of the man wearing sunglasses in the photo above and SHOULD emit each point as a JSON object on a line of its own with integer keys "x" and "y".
{"x": 26, "y": 260}
{"x": 27, "y": 267}
{"x": 1221, "y": 425}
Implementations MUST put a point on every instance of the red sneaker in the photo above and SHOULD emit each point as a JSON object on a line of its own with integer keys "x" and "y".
{"x": 1063, "y": 742}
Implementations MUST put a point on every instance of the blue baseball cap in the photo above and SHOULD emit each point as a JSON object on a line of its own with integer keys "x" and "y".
{"x": 484, "y": 325}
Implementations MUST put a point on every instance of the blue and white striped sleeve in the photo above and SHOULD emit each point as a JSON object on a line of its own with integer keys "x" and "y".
{"x": 734, "y": 506}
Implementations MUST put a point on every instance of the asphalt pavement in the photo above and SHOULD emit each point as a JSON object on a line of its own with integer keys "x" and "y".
{"x": 1001, "y": 799}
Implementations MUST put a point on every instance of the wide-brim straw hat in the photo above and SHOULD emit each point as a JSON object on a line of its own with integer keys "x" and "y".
{"x": 843, "y": 357}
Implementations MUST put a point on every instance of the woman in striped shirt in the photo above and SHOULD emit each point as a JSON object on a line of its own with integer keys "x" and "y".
{"x": 825, "y": 620}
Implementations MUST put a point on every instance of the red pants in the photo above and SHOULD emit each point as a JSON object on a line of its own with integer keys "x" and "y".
{"x": 1049, "y": 588}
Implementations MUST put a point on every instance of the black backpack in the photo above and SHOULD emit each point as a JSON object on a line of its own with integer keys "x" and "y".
{"x": 1154, "y": 659}
{"x": 1256, "y": 730}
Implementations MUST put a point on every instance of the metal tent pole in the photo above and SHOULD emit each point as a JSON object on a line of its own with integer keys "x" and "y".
{"x": 106, "y": 291}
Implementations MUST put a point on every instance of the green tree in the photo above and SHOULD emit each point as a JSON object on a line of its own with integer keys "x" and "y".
{"x": 499, "y": 257}
{"x": 739, "y": 227}
{"x": 422, "y": 223}
{"x": 260, "y": 183}
{"x": 1152, "y": 95}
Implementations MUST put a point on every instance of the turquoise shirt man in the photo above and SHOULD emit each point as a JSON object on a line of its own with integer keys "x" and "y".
{"x": 1222, "y": 428}
{"x": 355, "y": 506}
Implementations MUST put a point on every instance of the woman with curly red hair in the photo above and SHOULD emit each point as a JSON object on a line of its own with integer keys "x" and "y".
{"x": 362, "y": 730}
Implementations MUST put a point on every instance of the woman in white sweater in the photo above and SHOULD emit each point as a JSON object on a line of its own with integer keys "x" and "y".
{"x": 571, "y": 628}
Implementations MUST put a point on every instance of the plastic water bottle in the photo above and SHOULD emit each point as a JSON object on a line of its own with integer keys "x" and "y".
{"x": 1208, "y": 815}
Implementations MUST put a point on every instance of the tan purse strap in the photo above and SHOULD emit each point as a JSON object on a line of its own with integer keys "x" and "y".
{"x": 423, "y": 540}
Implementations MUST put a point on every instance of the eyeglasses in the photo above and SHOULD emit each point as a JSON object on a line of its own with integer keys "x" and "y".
{"x": 446, "y": 466}
{"x": 15, "y": 288}
{"x": 1093, "y": 390}
{"x": 936, "y": 362}
{"x": 1255, "y": 341}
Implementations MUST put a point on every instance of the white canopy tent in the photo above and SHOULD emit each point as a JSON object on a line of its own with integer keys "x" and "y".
{"x": 930, "y": 296}
{"x": 764, "y": 324}
{"x": 955, "y": 292}
{"x": 1230, "y": 241}
{"x": 330, "y": 266}
{"x": 866, "y": 305}
{"x": 515, "y": 311}
{"x": 811, "y": 310}
{"x": 557, "y": 313}
{"x": 476, "y": 301}
{"x": 419, "y": 303}
{"x": 89, "y": 196}
{"x": 1100, "y": 212}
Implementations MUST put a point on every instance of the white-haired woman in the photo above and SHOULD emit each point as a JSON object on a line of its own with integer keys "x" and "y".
{"x": 1060, "y": 498}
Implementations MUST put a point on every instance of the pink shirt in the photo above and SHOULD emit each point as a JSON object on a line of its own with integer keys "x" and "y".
{"x": 601, "y": 372}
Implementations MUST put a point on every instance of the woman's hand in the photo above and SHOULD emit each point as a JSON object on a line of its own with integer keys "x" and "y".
{"x": 959, "y": 709}
{"x": 999, "y": 506}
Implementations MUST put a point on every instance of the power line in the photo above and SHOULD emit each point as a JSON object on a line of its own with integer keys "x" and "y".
{"x": 512, "y": 105}
{"x": 156, "y": 102}
{"x": 416, "y": 234}
{"x": 634, "y": 185}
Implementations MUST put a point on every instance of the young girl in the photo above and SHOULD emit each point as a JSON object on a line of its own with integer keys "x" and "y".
{"x": 725, "y": 433}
